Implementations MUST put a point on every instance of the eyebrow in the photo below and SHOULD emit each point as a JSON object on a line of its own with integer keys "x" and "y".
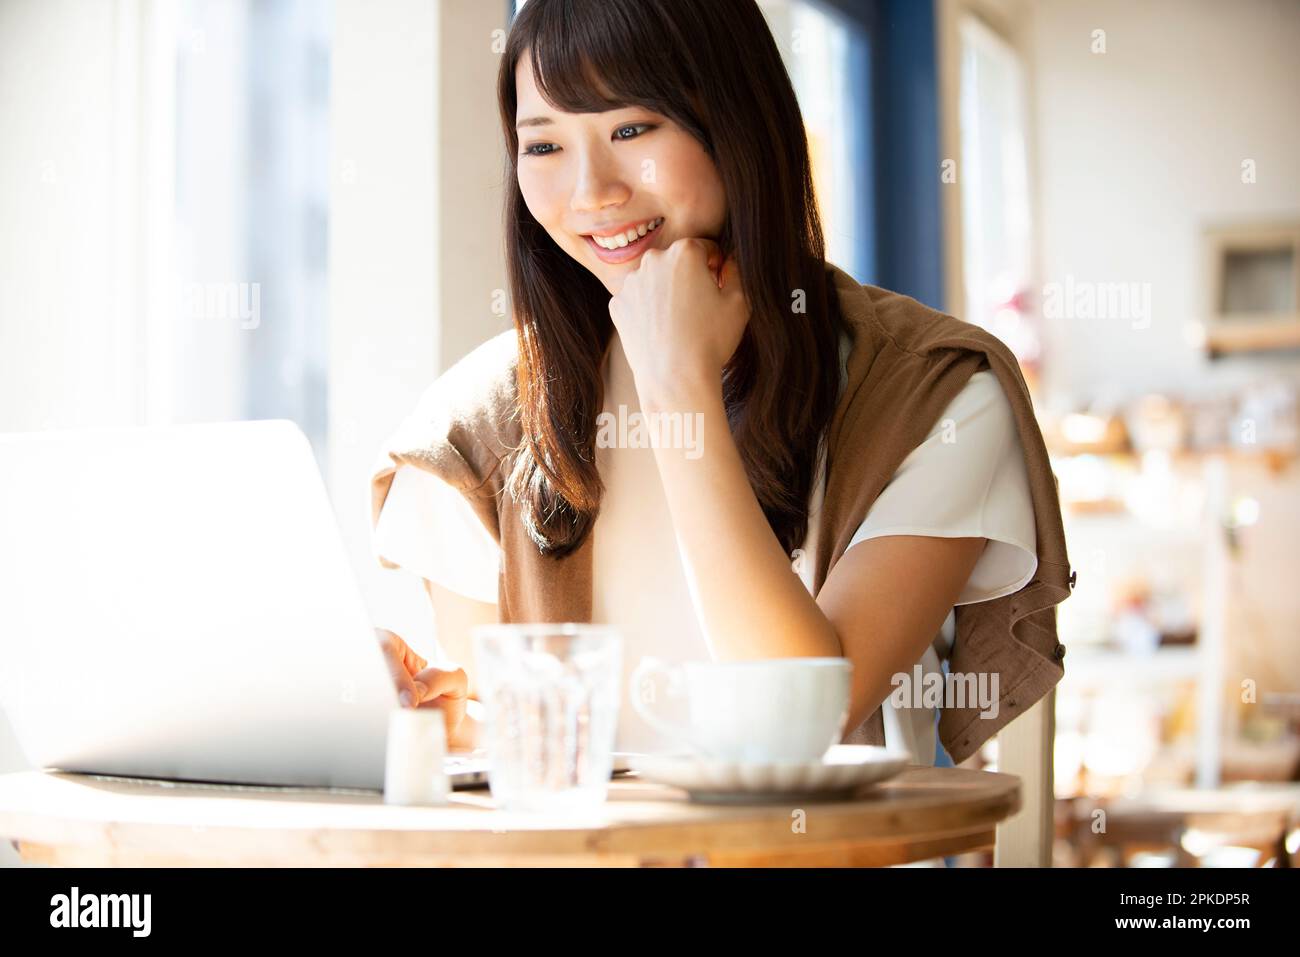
{"x": 547, "y": 121}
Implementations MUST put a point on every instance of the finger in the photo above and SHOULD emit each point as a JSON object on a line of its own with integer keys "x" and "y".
{"x": 701, "y": 246}
{"x": 450, "y": 683}
{"x": 711, "y": 251}
{"x": 413, "y": 662}
{"x": 399, "y": 650}
{"x": 453, "y": 710}
{"x": 448, "y": 690}
{"x": 717, "y": 262}
{"x": 397, "y": 654}
{"x": 729, "y": 276}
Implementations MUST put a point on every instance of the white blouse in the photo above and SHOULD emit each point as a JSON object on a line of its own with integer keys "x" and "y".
{"x": 966, "y": 479}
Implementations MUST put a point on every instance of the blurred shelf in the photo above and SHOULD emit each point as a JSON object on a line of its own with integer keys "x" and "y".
{"x": 1260, "y": 336}
{"x": 1272, "y": 456}
{"x": 1096, "y": 506}
{"x": 1112, "y": 666}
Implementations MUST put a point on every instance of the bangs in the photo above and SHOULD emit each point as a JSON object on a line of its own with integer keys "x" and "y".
{"x": 589, "y": 57}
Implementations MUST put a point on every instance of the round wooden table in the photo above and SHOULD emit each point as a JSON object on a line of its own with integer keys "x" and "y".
{"x": 88, "y": 820}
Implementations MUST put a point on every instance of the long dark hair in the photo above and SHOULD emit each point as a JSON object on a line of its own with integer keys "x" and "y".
{"x": 713, "y": 67}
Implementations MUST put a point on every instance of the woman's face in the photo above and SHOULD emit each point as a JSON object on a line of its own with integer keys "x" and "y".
{"x": 592, "y": 177}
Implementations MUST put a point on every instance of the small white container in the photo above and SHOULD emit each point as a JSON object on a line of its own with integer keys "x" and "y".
{"x": 417, "y": 744}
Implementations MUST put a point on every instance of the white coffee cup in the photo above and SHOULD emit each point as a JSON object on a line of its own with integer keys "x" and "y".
{"x": 763, "y": 710}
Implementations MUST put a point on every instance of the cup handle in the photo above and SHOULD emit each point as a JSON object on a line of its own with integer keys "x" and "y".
{"x": 646, "y": 670}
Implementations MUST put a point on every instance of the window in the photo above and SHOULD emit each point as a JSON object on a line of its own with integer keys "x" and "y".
{"x": 247, "y": 336}
{"x": 828, "y": 60}
{"x": 995, "y": 189}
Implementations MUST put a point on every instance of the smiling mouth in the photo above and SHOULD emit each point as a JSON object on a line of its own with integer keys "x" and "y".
{"x": 629, "y": 237}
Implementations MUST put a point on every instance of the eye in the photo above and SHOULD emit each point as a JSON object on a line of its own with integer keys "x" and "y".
{"x": 632, "y": 126}
{"x": 546, "y": 149}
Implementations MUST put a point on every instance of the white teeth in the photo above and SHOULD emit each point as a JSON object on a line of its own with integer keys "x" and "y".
{"x": 631, "y": 236}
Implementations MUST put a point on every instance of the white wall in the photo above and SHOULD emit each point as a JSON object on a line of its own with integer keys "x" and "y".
{"x": 1140, "y": 146}
{"x": 471, "y": 156}
{"x": 415, "y": 240}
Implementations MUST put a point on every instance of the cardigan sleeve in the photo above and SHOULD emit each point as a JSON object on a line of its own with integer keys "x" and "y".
{"x": 968, "y": 478}
{"x": 428, "y": 528}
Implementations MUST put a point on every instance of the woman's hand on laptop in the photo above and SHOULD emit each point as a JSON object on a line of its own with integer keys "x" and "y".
{"x": 420, "y": 686}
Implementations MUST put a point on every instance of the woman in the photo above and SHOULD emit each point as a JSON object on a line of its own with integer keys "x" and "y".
{"x": 666, "y": 256}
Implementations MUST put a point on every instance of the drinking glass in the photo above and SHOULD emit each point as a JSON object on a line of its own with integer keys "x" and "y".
{"x": 551, "y": 692}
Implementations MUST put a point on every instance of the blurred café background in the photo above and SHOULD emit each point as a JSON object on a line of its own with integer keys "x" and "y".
{"x": 225, "y": 209}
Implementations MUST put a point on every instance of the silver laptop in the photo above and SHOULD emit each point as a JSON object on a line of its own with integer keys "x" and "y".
{"x": 176, "y": 603}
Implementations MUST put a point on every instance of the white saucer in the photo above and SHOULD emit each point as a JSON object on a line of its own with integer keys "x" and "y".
{"x": 844, "y": 770}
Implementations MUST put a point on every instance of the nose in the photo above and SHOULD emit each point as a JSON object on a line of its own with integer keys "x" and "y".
{"x": 599, "y": 183}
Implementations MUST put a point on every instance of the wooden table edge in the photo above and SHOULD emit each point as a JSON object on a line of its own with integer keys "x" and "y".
{"x": 715, "y": 842}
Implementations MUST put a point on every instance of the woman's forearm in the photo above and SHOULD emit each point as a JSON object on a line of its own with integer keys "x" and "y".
{"x": 749, "y": 600}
